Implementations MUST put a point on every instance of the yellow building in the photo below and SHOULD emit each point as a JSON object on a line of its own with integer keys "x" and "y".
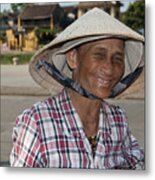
{"x": 12, "y": 41}
{"x": 37, "y": 16}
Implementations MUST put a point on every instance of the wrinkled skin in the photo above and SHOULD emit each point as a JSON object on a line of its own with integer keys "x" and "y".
{"x": 98, "y": 66}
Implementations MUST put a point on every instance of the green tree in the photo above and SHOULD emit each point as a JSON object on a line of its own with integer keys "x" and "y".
{"x": 134, "y": 16}
{"x": 18, "y": 7}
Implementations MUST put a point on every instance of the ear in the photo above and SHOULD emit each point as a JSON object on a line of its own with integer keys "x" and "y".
{"x": 72, "y": 58}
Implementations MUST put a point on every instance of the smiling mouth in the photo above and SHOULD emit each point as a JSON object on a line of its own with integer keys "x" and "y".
{"x": 104, "y": 82}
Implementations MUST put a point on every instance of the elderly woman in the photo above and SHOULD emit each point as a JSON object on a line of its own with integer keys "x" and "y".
{"x": 96, "y": 57}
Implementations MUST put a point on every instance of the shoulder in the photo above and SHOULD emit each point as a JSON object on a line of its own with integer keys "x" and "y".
{"x": 40, "y": 110}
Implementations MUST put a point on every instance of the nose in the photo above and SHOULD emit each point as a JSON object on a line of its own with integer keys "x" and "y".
{"x": 107, "y": 68}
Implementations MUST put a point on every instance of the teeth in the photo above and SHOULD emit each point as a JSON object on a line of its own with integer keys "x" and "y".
{"x": 104, "y": 82}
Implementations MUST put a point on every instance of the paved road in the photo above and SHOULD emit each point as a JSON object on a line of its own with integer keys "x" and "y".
{"x": 16, "y": 80}
{"x": 11, "y": 106}
{"x": 16, "y": 76}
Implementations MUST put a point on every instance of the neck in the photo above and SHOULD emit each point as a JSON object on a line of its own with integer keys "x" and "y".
{"x": 88, "y": 111}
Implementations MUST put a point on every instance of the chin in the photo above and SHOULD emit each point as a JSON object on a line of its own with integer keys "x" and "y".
{"x": 102, "y": 95}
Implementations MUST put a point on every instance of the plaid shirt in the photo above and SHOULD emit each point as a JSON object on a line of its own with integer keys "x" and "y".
{"x": 50, "y": 134}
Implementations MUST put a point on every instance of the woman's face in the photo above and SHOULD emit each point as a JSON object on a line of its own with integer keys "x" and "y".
{"x": 98, "y": 66}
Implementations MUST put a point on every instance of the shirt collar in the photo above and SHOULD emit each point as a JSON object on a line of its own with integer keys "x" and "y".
{"x": 104, "y": 129}
{"x": 72, "y": 124}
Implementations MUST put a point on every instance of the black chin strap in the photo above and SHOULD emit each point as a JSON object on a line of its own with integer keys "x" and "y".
{"x": 67, "y": 82}
{"x": 126, "y": 82}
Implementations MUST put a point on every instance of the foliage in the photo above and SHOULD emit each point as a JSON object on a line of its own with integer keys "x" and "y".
{"x": 134, "y": 16}
{"x": 3, "y": 37}
{"x": 45, "y": 35}
{"x": 18, "y": 7}
{"x": 24, "y": 58}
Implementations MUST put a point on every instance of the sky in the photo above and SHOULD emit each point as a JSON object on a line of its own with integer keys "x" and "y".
{"x": 6, "y": 6}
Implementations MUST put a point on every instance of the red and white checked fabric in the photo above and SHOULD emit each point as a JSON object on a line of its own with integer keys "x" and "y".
{"x": 50, "y": 134}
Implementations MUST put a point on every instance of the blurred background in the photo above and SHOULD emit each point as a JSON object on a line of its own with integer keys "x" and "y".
{"x": 26, "y": 27}
{"x": 29, "y": 26}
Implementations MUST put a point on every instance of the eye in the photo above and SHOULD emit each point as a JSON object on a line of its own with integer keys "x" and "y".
{"x": 99, "y": 55}
{"x": 118, "y": 59}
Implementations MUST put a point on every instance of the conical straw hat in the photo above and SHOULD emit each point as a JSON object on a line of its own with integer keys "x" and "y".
{"x": 94, "y": 25}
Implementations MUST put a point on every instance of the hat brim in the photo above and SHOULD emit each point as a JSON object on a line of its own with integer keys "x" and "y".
{"x": 57, "y": 56}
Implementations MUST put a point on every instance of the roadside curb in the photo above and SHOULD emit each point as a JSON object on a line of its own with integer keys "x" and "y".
{"x": 26, "y": 91}
{"x": 35, "y": 91}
